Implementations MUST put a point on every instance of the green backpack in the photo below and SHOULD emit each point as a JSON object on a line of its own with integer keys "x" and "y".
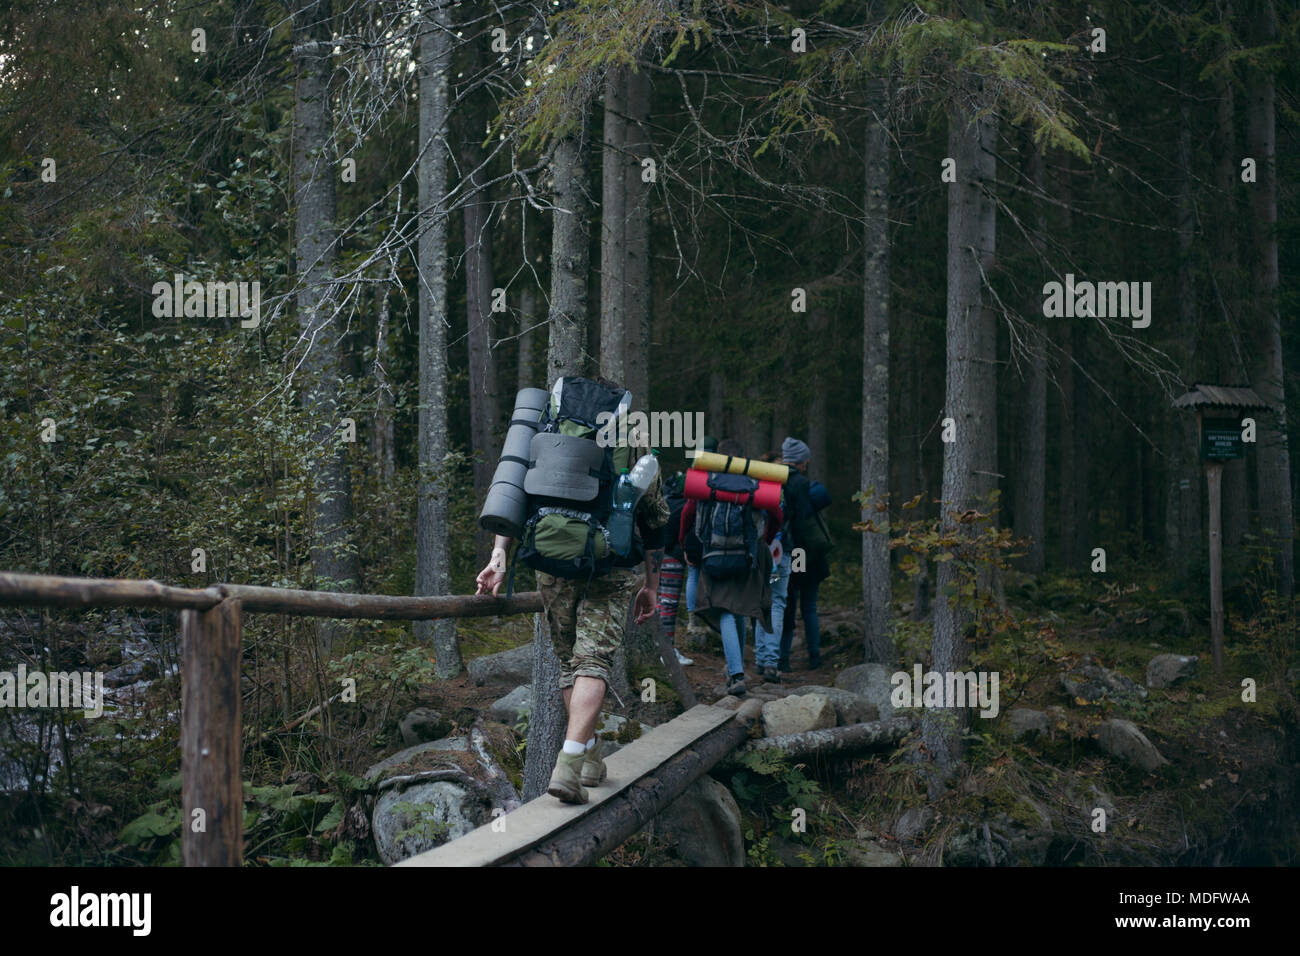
{"x": 570, "y": 483}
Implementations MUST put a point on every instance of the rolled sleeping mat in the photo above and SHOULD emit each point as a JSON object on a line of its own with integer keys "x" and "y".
{"x": 506, "y": 504}
{"x": 765, "y": 470}
{"x": 766, "y": 498}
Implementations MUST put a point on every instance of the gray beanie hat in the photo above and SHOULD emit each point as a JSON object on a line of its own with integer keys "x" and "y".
{"x": 794, "y": 451}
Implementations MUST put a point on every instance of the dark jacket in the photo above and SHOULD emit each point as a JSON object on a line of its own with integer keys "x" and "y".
{"x": 798, "y": 507}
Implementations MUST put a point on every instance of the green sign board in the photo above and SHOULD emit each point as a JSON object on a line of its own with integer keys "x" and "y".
{"x": 1221, "y": 440}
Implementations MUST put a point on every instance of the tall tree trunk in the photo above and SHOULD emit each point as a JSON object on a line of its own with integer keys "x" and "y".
{"x": 433, "y": 559}
{"x": 970, "y": 462}
{"x": 636, "y": 238}
{"x": 527, "y": 319}
{"x": 1183, "y": 501}
{"x": 1273, "y": 460}
{"x": 334, "y": 560}
{"x": 876, "y": 589}
{"x": 384, "y": 447}
{"x": 566, "y": 355}
{"x": 483, "y": 392}
{"x": 566, "y": 352}
{"x": 1031, "y": 433}
{"x": 613, "y": 232}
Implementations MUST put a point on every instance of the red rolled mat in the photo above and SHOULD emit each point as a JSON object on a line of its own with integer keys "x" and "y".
{"x": 766, "y": 498}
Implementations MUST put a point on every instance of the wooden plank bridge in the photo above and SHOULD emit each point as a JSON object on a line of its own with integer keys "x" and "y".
{"x": 644, "y": 777}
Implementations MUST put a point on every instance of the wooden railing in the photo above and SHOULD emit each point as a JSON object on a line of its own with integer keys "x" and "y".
{"x": 211, "y": 642}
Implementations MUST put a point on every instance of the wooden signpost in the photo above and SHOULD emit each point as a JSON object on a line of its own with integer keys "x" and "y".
{"x": 1219, "y": 426}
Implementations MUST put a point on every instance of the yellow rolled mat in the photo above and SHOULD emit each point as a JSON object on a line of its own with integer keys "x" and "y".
{"x": 767, "y": 470}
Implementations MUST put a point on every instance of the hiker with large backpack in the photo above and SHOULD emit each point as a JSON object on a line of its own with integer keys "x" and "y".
{"x": 808, "y": 533}
{"x": 722, "y": 538}
{"x": 583, "y": 522}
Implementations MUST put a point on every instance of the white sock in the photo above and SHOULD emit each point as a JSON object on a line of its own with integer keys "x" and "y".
{"x": 591, "y": 743}
{"x": 572, "y": 747}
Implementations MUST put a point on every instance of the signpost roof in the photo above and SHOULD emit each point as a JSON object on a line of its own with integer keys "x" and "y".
{"x": 1220, "y": 396}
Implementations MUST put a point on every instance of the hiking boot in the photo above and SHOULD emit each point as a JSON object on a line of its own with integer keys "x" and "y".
{"x": 566, "y": 778}
{"x": 771, "y": 675}
{"x": 593, "y": 768}
{"x": 736, "y": 685}
{"x": 814, "y": 663}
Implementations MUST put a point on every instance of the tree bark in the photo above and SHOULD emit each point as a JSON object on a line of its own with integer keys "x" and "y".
{"x": 1273, "y": 460}
{"x": 567, "y": 348}
{"x": 636, "y": 239}
{"x": 970, "y": 461}
{"x": 483, "y": 391}
{"x": 383, "y": 447}
{"x": 433, "y": 560}
{"x": 876, "y": 589}
{"x": 613, "y": 231}
{"x": 818, "y": 328}
{"x": 334, "y": 558}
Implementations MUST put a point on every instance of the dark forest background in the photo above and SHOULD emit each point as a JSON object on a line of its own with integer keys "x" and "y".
{"x": 641, "y": 188}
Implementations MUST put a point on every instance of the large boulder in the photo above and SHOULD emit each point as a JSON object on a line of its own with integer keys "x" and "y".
{"x": 795, "y": 715}
{"x": 512, "y": 667}
{"x": 850, "y": 708}
{"x": 703, "y": 825}
{"x": 421, "y": 725}
{"x": 912, "y": 823}
{"x": 1166, "y": 670}
{"x": 871, "y": 681}
{"x": 1122, "y": 739}
{"x": 514, "y": 705}
{"x": 1092, "y": 682}
{"x": 436, "y": 791}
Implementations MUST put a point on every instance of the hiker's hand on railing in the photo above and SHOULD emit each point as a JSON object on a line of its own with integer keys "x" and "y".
{"x": 645, "y": 605}
{"x": 491, "y": 577}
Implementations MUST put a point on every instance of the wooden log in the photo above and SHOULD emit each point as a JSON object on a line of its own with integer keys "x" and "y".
{"x": 379, "y": 606}
{"x": 212, "y": 795}
{"x": 854, "y": 738}
{"x": 599, "y": 832}
{"x": 51, "y": 591}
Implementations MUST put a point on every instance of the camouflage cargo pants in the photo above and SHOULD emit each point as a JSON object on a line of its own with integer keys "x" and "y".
{"x": 586, "y": 630}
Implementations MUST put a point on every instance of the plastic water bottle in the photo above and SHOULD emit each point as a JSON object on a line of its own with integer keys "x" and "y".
{"x": 626, "y": 495}
{"x": 644, "y": 472}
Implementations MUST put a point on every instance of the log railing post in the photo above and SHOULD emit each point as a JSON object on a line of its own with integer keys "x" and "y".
{"x": 212, "y": 796}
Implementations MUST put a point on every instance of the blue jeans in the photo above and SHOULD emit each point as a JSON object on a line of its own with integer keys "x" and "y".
{"x": 733, "y": 641}
{"x": 803, "y": 591}
{"x": 767, "y": 644}
{"x": 692, "y": 583}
